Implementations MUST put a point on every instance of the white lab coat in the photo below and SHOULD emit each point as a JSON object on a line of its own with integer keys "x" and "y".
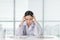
{"x": 34, "y": 30}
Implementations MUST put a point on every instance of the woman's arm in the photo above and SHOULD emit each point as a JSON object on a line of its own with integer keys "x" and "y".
{"x": 23, "y": 19}
{"x": 20, "y": 28}
{"x": 38, "y": 28}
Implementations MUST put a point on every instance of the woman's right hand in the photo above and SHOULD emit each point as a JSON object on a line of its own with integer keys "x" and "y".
{"x": 23, "y": 19}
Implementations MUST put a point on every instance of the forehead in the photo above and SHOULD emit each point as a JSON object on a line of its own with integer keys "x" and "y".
{"x": 28, "y": 17}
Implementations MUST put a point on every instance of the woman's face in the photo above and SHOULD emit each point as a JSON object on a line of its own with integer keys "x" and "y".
{"x": 29, "y": 19}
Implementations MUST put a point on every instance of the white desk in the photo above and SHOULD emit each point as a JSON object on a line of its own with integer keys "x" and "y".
{"x": 30, "y": 38}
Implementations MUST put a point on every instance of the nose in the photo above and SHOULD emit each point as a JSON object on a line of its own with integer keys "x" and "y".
{"x": 28, "y": 21}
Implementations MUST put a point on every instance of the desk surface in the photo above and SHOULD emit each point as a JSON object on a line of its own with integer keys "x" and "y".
{"x": 30, "y": 38}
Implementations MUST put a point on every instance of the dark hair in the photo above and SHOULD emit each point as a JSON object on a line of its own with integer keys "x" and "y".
{"x": 29, "y": 13}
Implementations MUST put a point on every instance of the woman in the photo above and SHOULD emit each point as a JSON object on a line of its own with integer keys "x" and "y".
{"x": 29, "y": 26}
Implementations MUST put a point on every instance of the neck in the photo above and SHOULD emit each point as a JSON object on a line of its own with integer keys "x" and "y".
{"x": 28, "y": 25}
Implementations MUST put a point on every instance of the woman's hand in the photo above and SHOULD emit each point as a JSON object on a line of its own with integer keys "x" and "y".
{"x": 23, "y": 19}
{"x": 34, "y": 19}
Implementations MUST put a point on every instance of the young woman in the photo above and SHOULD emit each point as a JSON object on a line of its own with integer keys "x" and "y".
{"x": 29, "y": 26}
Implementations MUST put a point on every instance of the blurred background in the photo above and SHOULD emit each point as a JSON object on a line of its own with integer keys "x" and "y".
{"x": 46, "y": 12}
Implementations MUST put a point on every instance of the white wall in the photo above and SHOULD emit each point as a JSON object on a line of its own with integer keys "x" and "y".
{"x": 52, "y": 10}
{"x": 6, "y": 10}
{"x": 52, "y": 17}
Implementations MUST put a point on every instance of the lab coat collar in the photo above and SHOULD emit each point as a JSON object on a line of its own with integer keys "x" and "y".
{"x": 30, "y": 25}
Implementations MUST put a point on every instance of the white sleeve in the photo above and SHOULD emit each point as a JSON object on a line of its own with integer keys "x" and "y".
{"x": 19, "y": 31}
{"x": 38, "y": 30}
